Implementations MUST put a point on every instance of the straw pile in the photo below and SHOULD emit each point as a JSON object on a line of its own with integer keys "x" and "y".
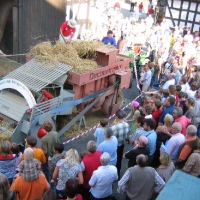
{"x": 80, "y": 54}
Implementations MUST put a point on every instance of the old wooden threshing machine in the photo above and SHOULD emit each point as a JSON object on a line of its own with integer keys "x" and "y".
{"x": 26, "y": 102}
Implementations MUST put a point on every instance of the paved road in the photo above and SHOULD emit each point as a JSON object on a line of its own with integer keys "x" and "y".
{"x": 80, "y": 144}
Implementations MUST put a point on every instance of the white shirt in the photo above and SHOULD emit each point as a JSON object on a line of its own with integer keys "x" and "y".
{"x": 168, "y": 83}
{"x": 185, "y": 87}
{"x": 102, "y": 180}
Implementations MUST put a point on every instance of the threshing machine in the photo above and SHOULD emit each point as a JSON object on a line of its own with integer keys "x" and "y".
{"x": 34, "y": 92}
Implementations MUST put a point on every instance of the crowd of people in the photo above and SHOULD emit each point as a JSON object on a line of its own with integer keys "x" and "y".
{"x": 162, "y": 130}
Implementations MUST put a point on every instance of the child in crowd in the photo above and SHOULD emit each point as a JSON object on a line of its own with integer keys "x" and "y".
{"x": 100, "y": 132}
{"x": 165, "y": 94}
{"x": 157, "y": 110}
{"x": 18, "y": 154}
{"x": 182, "y": 104}
{"x": 142, "y": 73}
{"x": 136, "y": 113}
{"x": 30, "y": 167}
{"x": 178, "y": 89}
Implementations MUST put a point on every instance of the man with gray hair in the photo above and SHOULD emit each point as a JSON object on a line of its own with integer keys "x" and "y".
{"x": 172, "y": 145}
{"x": 183, "y": 120}
{"x": 110, "y": 146}
{"x": 187, "y": 148}
{"x": 171, "y": 81}
{"x": 89, "y": 163}
{"x": 102, "y": 179}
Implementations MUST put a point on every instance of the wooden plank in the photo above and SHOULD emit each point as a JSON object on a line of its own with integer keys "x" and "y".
{"x": 195, "y": 14}
{"x": 170, "y": 13}
{"x": 181, "y": 186}
{"x": 180, "y": 12}
{"x": 5, "y": 7}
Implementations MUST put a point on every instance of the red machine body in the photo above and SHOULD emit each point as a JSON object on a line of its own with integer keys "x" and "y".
{"x": 114, "y": 66}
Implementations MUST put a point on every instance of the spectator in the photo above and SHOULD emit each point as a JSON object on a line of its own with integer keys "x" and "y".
{"x": 100, "y": 132}
{"x": 168, "y": 65}
{"x": 178, "y": 90}
{"x": 170, "y": 102}
{"x": 72, "y": 190}
{"x": 59, "y": 154}
{"x": 140, "y": 7}
{"x": 172, "y": 90}
{"x": 109, "y": 39}
{"x": 102, "y": 179}
{"x": 178, "y": 74}
{"x": 172, "y": 146}
{"x": 147, "y": 78}
{"x": 182, "y": 103}
{"x": 190, "y": 114}
{"x": 157, "y": 110}
{"x": 30, "y": 190}
{"x": 110, "y": 146}
{"x": 89, "y": 163}
{"x": 171, "y": 81}
{"x": 139, "y": 148}
{"x": 140, "y": 181}
{"x": 192, "y": 91}
{"x": 151, "y": 11}
{"x": 136, "y": 113}
{"x": 147, "y": 110}
{"x": 167, "y": 168}
{"x": 50, "y": 195}
{"x": 189, "y": 145}
{"x": 149, "y": 125}
{"x": 184, "y": 84}
{"x": 29, "y": 168}
{"x": 18, "y": 154}
{"x": 197, "y": 113}
{"x": 120, "y": 131}
{"x": 7, "y": 161}
{"x": 139, "y": 131}
{"x": 66, "y": 169}
{"x": 192, "y": 166}
{"x": 6, "y": 193}
{"x": 47, "y": 145}
{"x": 38, "y": 153}
{"x": 179, "y": 117}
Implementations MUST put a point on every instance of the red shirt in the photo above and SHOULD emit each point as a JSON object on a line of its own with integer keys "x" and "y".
{"x": 184, "y": 122}
{"x": 156, "y": 114}
{"x": 150, "y": 11}
{"x": 140, "y": 6}
{"x": 66, "y": 29}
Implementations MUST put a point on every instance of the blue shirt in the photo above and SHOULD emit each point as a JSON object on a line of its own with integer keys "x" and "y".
{"x": 168, "y": 110}
{"x": 152, "y": 137}
{"x": 110, "y": 146}
{"x": 111, "y": 40}
{"x": 100, "y": 135}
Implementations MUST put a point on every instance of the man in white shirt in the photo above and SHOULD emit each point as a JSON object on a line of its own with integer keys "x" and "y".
{"x": 147, "y": 78}
{"x": 177, "y": 138}
{"x": 184, "y": 85}
{"x": 171, "y": 81}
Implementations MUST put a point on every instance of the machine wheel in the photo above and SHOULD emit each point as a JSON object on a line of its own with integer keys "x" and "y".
{"x": 106, "y": 105}
{"x": 112, "y": 79}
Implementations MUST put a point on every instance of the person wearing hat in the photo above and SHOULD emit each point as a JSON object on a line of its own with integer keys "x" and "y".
{"x": 67, "y": 31}
{"x": 136, "y": 113}
{"x": 109, "y": 39}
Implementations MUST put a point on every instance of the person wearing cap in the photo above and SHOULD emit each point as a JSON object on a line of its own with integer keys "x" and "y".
{"x": 109, "y": 39}
{"x": 136, "y": 113}
{"x": 67, "y": 31}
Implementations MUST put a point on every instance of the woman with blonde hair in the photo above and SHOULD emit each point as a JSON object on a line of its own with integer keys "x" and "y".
{"x": 67, "y": 168}
{"x": 167, "y": 168}
{"x": 162, "y": 137}
{"x": 5, "y": 192}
